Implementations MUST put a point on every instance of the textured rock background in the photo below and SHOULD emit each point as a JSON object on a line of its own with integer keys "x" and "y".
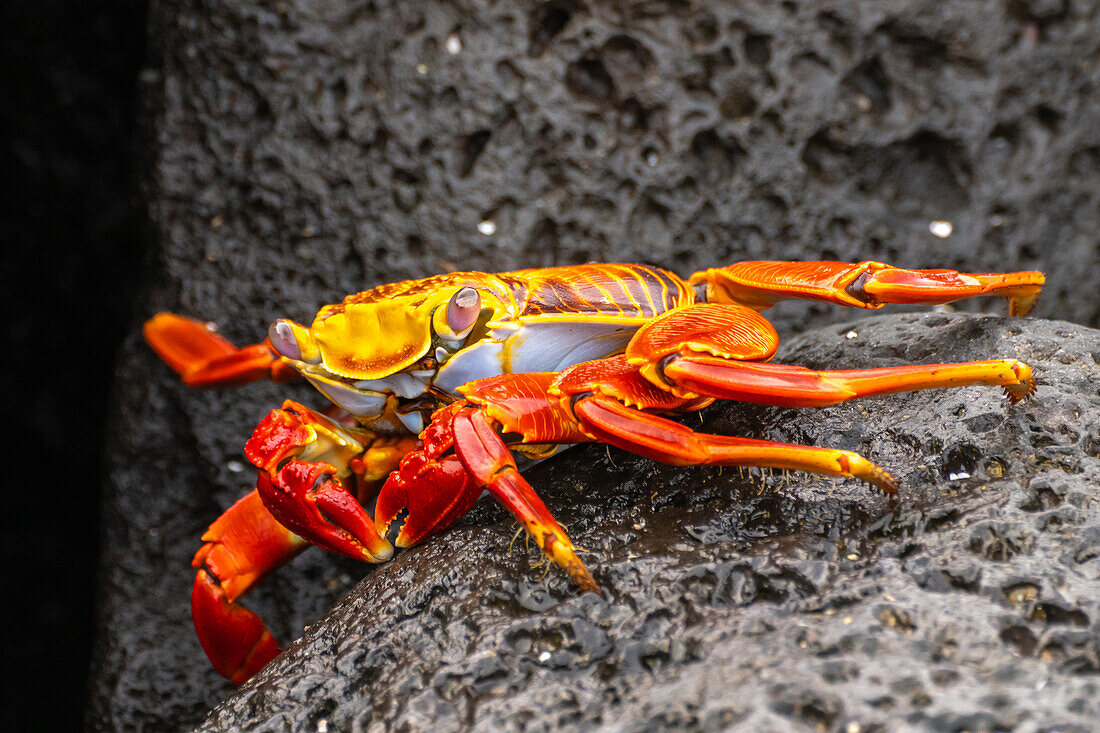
{"x": 303, "y": 150}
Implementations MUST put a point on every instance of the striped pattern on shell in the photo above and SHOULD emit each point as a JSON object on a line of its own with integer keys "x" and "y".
{"x": 631, "y": 291}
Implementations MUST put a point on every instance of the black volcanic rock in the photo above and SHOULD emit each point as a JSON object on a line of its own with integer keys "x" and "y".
{"x": 306, "y": 150}
{"x": 768, "y": 600}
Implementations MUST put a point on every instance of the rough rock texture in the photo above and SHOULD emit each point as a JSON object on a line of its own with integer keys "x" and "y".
{"x": 304, "y": 150}
{"x": 774, "y": 602}
{"x": 329, "y": 145}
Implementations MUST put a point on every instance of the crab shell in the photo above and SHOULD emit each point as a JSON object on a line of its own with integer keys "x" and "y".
{"x": 390, "y": 355}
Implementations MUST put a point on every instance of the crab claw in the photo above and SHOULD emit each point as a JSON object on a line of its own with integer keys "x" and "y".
{"x": 309, "y": 500}
{"x": 233, "y": 637}
{"x": 303, "y": 459}
{"x": 435, "y": 490}
{"x": 436, "y": 493}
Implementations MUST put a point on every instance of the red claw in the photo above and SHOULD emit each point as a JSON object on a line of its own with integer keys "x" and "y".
{"x": 279, "y": 434}
{"x": 309, "y": 497}
{"x": 241, "y": 547}
{"x": 435, "y": 493}
{"x": 435, "y": 490}
{"x": 309, "y": 500}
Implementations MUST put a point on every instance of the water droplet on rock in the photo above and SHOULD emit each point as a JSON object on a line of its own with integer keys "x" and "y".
{"x": 941, "y": 229}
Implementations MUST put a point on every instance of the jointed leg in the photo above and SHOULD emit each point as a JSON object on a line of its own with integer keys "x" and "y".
{"x": 603, "y": 400}
{"x": 242, "y": 547}
{"x": 305, "y": 459}
{"x": 670, "y": 442}
{"x": 714, "y": 361}
{"x": 487, "y": 458}
{"x": 760, "y": 285}
{"x": 202, "y": 358}
{"x": 306, "y": 463}
{"x": 794, "y": 386}
{"x": 462, "y": 454}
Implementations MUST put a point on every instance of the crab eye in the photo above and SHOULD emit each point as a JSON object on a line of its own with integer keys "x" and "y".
{"x": 281, "y": 336}
{"x": 463, "y": 310}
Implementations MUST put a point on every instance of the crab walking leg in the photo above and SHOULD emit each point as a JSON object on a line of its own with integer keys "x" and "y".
{"x": 793, "y": 386}
{"x": 716, "y": 350}
{"x": 242, "y": 546}
{"x": 660, "y": 439}
{"x": 760, "y": 285}
{"x": 486, "y": 457}
{"x": 202, "y": 358}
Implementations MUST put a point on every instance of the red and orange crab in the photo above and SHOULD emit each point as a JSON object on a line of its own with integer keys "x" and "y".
{"x": 436, "y": 383}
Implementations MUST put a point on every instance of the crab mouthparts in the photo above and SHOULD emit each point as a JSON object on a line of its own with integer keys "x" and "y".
{"x": 390, "y": 404}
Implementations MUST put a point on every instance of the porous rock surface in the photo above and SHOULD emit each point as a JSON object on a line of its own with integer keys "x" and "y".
{"x": 763, "y": 601}
{"x": 331, "y": 145}
{"x": 304, "y": 150}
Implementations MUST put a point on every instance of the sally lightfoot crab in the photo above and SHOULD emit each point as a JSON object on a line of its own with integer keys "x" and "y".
{"x": 437, "y": 383}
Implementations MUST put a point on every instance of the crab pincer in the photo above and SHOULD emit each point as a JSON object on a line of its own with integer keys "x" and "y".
{"x": 295, "y": 450}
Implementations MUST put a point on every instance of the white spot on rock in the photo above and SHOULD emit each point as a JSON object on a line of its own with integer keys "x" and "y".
{"x": 940, "y": 228}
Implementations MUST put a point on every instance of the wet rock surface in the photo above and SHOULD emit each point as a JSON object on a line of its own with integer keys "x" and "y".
{"x": 302, "y": 151}
{"x": 760, "y": 599}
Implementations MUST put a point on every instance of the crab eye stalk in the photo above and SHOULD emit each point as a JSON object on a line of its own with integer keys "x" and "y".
{"x": 463, "y": 310}
{"x": 293, "y": 341}
{"x": 281, "y": 336}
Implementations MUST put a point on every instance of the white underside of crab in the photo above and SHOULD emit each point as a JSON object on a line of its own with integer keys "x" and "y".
{"x": 532, "y": 347}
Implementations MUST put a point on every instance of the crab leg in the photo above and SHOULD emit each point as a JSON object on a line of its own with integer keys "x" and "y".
{"x": 587, "y": 402}
{"x": 490, "y": 462}
{"x": 242, "y": 546}
{"x": 609, "y": 400}
{"x": 794, "y": 386}
{"x": 760, "y": 285}
{"x": 720, "y": 352}
{"x": 202, "y": 358}
{"x": 296, "y": 503}
{"x": 463, "y": 454}
{"x": 660, "y": 439}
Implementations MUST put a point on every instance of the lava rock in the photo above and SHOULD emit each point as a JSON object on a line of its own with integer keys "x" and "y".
{"x": 305, "y": 150}
{"x": 761, "y": 599}
{"x": 317, "y": 148}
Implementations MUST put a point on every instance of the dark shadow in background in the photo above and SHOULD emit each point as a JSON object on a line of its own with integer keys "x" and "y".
{"x": 73, "y": 238}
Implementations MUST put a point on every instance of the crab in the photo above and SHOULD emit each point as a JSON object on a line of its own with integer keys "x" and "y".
{"x": 438, "y": 384}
